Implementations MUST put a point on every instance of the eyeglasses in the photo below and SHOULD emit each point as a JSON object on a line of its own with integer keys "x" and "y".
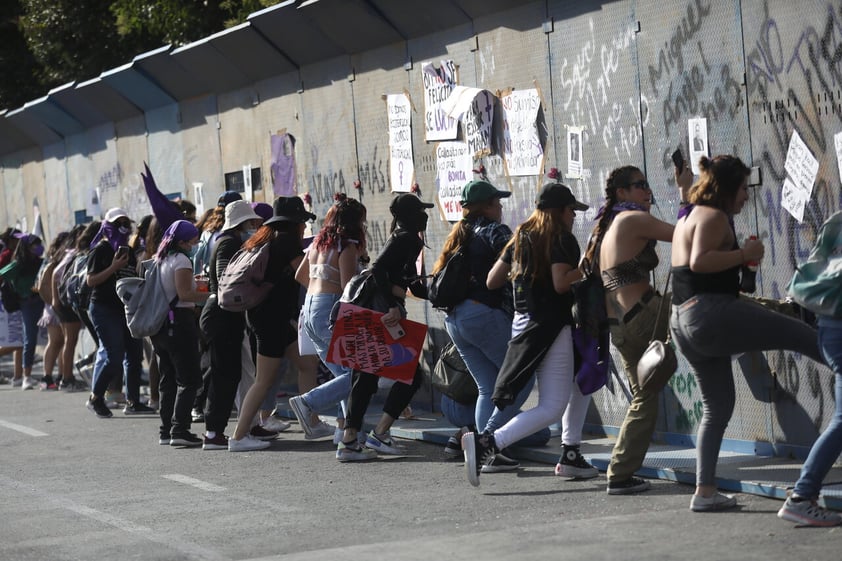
{"x": 642, "y": 184}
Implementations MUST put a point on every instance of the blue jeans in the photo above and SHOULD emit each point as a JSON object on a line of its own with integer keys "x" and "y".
{"x": 30, "y": 310}
{"x": 827, "y": 448}
{"x": 116, "y": 347}
{"x": 481, "y": 335}
{"x": 317, "y": 309}
{"x": 461, "y": 415}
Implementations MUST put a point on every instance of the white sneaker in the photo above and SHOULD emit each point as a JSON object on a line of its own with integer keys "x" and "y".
{"x": 16, "y": 382}
{"x": 274, "y": 424}
{"x": 246, "y": 444}
{"x": 29, "y": 383}
{"x": 320, "y": 431}
{"x": 718, "y": 501}
{"x": 388, "y": 446}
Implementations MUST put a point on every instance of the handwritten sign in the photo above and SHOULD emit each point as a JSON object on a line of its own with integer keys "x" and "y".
{"x": 454, "y": 168}
{"x": 800, "y": 164}
{"x": 401, "y": 166}
{"x": 361, "y": 341}
{"x": 475, "y": 109}
{"x": 522, "y": 150}
{"x": 794, "y": 199}
{"x": 283, "y": 165}
{"x": 438, "y": 83}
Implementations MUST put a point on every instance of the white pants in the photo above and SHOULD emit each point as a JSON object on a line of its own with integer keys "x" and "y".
{"x": 558, "y": 394}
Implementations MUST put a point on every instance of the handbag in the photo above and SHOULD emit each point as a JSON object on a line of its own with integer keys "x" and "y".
{"x": 817, "y": 284}
{"x": 658, "y": 362}
{"x": 451, "y": 377}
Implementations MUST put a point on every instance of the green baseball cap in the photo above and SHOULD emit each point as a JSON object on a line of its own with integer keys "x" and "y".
{"x": 479, "y": 190}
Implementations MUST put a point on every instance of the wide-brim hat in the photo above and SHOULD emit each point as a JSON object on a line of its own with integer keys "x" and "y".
{"x": 238, "y": 212}
{"x": 557, "y": 195}
{"x": 289, "y": 209}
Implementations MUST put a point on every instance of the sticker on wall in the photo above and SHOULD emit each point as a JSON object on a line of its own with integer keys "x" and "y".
{"x": 454, "y": 168}
{"x": 438, "y": 83}
{"x": 574, "y": 152}
{"x": 697, "y": 129}
{"x": 401, "y": 165}
{"x": 523, "y": 153}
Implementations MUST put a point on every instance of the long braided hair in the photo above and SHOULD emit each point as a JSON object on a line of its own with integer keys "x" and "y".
{"x": 619, "y": 177}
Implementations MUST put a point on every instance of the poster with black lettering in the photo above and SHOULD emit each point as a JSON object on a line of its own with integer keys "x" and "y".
{"x": 475, "y": 109}
{"x": 361, "y": 341}
{"x": 438, "y": 83}
{"x": 454, "y": 168}
{"x": 401, "y": 166}
{"x": 522, "y": 149}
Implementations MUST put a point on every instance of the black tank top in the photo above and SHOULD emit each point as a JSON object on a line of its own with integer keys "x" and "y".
{"x": 686, "y": 283}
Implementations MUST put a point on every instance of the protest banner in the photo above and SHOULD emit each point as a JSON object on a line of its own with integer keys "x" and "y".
{"x": 522, "y": 150}
{"x": 361, "y": 341}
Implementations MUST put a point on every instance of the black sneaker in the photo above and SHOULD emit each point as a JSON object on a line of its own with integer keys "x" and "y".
{"x": 73, "y": 385}
{"x": 453, "y": 448}
{"x": 500, "y": 463}
{"x": 573, "y": 465}
{"x": 630, "y": 486}
{"x": 479, "y": 450}
{"x": 138, "y": 409}
{"x": 97, "y": 407}
{"x": 185, "y": 439}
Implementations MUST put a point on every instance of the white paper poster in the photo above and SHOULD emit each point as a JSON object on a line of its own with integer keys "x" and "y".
{"x": 199, "y": 198}
{"x": 574, "y": 152}
{"x": 697, "y": 130}
{"x": 837, "y": 141}
{"x": 248, "y": 189}
{"x": 454, "y": 168}
{"x": 401, "y": 166}
{"x": 800, "y": 164}
{"x": 438, "y": 83}
{"x": 794, "y": 199}
{"x": 92, "y": 204}
{"x": 522, "y": 148}
{"x": 475, "y": 109}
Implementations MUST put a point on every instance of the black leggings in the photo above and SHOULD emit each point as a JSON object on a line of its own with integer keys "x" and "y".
{"x": 364, "y": 385}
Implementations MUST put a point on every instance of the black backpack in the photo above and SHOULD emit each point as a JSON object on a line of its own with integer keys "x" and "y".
{"x": 450, "y": 285}
{"x": 73, "y": 290}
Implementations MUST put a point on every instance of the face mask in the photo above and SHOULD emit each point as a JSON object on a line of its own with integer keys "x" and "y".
{"x": 124, "y": 230}
{"x": 247, "y": 234}
{"x": 191, "y": 253}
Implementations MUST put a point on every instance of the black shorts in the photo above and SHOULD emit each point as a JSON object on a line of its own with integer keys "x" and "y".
{"x": 270, "y": 322}
{"x": 66, "y": 315}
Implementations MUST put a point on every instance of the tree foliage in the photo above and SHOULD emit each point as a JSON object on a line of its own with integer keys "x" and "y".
{"x": 47, "y": 43}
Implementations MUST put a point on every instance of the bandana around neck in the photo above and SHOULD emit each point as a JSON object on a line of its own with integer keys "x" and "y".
{"x": 620, "y": 207}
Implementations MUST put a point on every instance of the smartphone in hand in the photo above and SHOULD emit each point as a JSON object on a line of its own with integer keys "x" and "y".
{"x": 678, "y": 160}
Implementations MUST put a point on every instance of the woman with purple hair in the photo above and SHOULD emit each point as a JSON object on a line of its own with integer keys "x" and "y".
{"x": 177, "y": 343}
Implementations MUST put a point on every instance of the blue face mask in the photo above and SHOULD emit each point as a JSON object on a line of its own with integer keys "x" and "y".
{"x": 247, "y": 234}
{"x": 191, "y": 253}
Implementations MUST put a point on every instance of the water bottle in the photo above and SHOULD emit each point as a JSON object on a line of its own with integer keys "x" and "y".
{"x": 748, "y": 275}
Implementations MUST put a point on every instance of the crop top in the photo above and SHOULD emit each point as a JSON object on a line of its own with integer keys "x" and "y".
{"x": 325, "y": 271}
{"x": 633, "y": 271}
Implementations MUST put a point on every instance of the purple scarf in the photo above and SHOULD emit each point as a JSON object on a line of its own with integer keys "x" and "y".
{"x": 620, "y": 207}
{"x": 112, "y": 235}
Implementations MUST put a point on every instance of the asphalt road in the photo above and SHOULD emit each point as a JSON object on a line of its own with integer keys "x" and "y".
{"x": 76, "y": 487}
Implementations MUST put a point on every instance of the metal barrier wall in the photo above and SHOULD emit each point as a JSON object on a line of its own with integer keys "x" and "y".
{"x": 630, "y": 73}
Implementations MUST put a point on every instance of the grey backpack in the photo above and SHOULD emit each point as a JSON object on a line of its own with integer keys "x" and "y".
{"x": 145, "y": 301}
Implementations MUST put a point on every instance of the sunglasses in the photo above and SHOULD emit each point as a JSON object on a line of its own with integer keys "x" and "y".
{"x": 642, "y": 184}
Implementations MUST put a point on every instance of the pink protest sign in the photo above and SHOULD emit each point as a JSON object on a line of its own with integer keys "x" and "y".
{"x": 361, "y": 341}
